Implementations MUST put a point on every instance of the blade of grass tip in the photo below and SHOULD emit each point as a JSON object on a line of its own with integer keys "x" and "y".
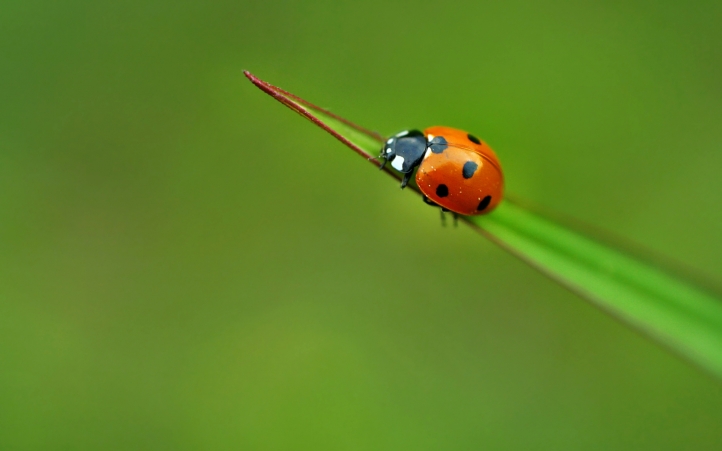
{"x": 362, "y": 141}
{"x": 679, "y": 315}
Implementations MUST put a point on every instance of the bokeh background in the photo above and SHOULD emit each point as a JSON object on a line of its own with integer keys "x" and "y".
{"x": 187, "y": 265}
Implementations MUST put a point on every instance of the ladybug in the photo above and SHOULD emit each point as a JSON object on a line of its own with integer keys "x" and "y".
{"x": 456, "y": 170}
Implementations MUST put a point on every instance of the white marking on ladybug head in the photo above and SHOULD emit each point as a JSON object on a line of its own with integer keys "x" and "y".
{"x": 403, "y": 133}
{"x": 388, "y": 150}
{"x": 398, "y": 163}
{"x": 390, "y": 140}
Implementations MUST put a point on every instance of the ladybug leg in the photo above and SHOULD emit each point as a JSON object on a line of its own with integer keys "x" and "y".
{"x": 443, "y": 216}
{"x": 405, "y": 180}
{"x": 383, "y": 159}
{"x": 442, "y": 210}
{"x": 428, "y": 201}
{"x": 456, "y": 219}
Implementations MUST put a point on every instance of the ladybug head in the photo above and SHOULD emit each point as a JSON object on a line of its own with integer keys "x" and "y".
{"x": 404, "y": 151}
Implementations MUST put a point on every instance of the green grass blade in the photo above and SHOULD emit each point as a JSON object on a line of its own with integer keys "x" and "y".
{"x": 678, "y": 314}
{"x": 660, "y": 304}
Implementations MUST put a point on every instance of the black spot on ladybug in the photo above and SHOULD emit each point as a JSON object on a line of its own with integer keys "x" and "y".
{"x": 469, "y": 169}
{"x": 438, "y": 144}
{"x": 473, "y": 138}
{"x": 484, "y": 203}
{"x": 443, "y": 190}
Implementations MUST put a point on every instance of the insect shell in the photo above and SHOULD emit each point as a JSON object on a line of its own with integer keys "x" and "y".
{"x": 456, "y": 170}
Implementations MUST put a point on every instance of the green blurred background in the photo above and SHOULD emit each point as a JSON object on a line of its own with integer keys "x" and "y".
{"x": 187, "y": 265}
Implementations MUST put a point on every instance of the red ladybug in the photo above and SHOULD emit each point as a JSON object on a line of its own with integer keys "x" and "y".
{"x": 456, "y": 170}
